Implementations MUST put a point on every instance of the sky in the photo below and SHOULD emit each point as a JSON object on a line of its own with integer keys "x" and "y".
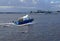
{"x": 28, "y": 5}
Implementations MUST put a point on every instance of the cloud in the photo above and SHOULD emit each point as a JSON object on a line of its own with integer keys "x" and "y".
{"x": 5, "y": 7}
{"x": 58, "y": 6}
{"x": 35, "y": 1}
{"x": 55, "y": 2}
{"x": 22, "y": 0}
{"x": 52, "y": 2}
{"x": 27, "y": 7}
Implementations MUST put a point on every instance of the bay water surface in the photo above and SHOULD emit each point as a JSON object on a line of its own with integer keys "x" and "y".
{"x": 45, "y": 28}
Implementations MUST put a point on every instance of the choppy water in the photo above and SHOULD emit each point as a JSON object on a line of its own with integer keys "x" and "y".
{"x": 47, "y": 28}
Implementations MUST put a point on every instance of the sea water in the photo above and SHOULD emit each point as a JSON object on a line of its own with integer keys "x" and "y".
{"x": 45, "y": 28}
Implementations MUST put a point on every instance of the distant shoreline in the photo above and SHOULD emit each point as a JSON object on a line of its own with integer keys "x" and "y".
{"x": 30, "y": 12}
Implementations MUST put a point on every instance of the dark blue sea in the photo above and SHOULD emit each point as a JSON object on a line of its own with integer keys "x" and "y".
{"x": 45, "y": 28}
